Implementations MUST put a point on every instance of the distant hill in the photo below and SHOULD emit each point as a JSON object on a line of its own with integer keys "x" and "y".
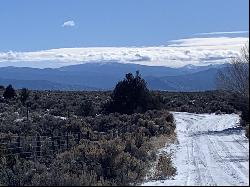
{"x": 42, "y": 85}
{"x": 104, "y": 76}
{"x": 199, "y": 81}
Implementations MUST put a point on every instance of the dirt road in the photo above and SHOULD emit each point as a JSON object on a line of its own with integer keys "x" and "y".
{"x": 212, "y": 150}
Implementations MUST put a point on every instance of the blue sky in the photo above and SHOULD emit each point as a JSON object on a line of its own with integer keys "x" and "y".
{"x": 31, "y": 25}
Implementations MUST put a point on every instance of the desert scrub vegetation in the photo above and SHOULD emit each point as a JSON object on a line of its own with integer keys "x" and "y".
{"x": 202, "y": 102}
{"x": 72, "y": 138}
{"x": 113, "y": 149}
{"x": 93, "y": 138}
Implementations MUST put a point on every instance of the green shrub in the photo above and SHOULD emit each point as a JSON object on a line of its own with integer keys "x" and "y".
{"x": 2, "y": 87}
{"x": 9, "y": 92}
{"x": 24, "y": 95}
{"x": 86, "y": 108}
{"x": 131, "y": 95}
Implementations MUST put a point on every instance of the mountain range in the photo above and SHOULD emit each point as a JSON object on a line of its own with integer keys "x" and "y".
{"x": 104, "y": 76}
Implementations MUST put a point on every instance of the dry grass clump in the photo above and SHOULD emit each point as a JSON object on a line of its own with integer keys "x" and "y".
{"x": 164, "y": 168}
{"x": 162, "y": 140}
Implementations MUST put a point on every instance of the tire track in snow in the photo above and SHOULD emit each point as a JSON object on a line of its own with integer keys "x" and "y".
{"x": 226, "y": 172}
{"x": 188, "y": 162}
{"x": 207, "y": 178}
{"x": 233, "y": 161}
{"x": 240, "y": 144}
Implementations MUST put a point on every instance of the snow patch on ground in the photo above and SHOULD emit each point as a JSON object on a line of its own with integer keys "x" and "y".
{"x": 60, "y": 117}
{"x": 212, "y": 150}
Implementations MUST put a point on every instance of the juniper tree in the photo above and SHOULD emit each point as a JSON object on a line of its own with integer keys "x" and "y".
{"x": 24, "y": 95}
{"x": 9, "y": 92}
{"x": 130, "y": 95}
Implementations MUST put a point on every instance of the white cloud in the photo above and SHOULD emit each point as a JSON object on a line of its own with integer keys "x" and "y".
{"x": 69, "y": 23}
{"x": 196, "y": 51}
{"x": 218, "y": 33}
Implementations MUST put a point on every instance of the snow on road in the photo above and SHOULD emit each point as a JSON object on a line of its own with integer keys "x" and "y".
{"x": 211, "y": 150}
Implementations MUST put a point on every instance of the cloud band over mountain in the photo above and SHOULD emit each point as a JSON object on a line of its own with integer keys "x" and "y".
{"x": 196, "y": 51}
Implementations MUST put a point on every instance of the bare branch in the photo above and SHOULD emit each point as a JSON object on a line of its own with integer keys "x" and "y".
{"x": 235, "y": 78}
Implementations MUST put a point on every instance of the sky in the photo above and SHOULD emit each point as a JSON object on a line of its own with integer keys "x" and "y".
{"x": 43, "y": 25}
